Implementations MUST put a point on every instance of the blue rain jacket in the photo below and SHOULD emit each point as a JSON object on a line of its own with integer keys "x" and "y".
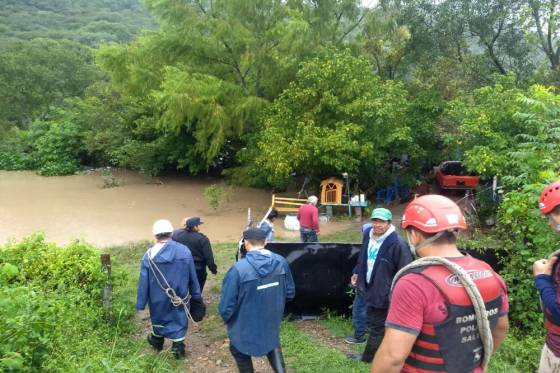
{"x": 254, "y": 293}
{"x": 175, "y": 262}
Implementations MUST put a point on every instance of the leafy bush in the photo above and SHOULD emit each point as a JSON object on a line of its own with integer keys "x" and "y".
{"x": 57, "y": 150}
{"x": 52, "y": 314}
{"x": 526, "y": 237}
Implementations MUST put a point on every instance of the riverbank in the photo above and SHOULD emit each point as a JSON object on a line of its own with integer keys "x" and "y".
{"x": 61, "y": 287}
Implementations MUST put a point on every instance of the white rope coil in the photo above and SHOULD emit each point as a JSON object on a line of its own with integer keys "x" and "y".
{"x": 477, "y": 301}
{"x": 176, "y": 300}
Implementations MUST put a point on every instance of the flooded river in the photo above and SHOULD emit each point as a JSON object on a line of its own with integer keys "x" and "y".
{"x": 72, "y": 207}
{"x": 77, "y": 207}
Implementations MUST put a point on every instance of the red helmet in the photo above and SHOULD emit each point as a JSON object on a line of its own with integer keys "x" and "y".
{"x": 550, "y": 198}
{"x": 433, "y": 213}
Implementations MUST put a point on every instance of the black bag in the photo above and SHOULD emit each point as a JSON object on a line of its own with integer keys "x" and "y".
{"x": 198, "y": 309}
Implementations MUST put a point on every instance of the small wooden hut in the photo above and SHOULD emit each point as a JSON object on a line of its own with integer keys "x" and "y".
{"x": 331, "y": 191}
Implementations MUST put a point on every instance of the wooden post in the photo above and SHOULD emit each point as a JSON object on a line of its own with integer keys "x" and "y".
{"x": 108, "y": 289}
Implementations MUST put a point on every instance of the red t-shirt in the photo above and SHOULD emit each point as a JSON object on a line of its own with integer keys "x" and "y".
{"x": 415, "y": 301}
{"x": 308, "y": 216}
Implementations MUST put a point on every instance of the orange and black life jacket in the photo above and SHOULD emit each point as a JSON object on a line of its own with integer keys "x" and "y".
{"x": 454, "y": 345}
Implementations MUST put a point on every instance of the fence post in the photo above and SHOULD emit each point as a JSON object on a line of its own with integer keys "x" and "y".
{"x": 108, "y": 289}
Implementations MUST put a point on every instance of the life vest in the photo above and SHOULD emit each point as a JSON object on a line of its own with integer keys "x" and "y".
{"x": 551, "y": 326}
{"x": 454, "y": 345}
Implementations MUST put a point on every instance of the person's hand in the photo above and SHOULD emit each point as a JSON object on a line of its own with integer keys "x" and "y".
{"x": 544, "y": 266}
{"x": 354, "y": 280}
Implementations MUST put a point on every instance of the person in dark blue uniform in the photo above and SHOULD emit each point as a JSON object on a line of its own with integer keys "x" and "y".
{"x": 167, "y": 265}
{"x": 254, "y": 293}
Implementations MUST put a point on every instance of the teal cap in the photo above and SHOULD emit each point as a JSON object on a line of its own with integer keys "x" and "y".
{"x": 381, "y": 214}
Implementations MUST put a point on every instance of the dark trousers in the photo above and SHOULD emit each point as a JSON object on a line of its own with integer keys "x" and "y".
{"x": 245, "y": 364}
{"x": 308, "y": 235}
{"x": 376, "y": 327}
{"x": 201, "y": 275}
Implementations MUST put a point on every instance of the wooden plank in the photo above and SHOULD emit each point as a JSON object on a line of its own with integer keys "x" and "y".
{"x": 288, "y": 203}
{"x": 286, "y": 209}
{"x": 290, "y": 199}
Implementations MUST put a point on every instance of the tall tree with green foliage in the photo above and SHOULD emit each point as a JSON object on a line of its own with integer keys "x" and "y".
{"x": 337, "y": 116}
{"x": 384, "y": 41}
{"x": 206, "y": 76}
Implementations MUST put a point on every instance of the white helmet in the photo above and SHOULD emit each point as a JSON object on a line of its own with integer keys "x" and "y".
{"x": 313, "y": 200}
{"x": 162, "y": 226}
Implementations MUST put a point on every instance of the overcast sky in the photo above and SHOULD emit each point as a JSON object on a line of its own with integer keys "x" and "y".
{"x": 369, "y": 3}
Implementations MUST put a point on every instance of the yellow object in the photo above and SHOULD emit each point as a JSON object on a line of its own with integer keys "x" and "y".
{"x": 283, "y": 204}
{"x": 331, "y": 191}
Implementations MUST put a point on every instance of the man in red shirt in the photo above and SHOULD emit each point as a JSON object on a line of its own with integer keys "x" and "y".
{"x": 431, "y": 324}
{"x": 547, "y": 277}
{"x": 308, "y": 216}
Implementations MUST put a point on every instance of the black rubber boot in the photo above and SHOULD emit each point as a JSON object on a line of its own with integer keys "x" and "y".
{"x": 178, "y": 349}
{"x": 246, "y": 368}
{"x": 372, "y": 345}
{"x": 276, "y": 360}
{"x": 155, "y": 342}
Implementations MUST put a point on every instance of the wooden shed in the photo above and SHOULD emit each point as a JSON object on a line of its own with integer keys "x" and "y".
{"x": 331, "y": 191}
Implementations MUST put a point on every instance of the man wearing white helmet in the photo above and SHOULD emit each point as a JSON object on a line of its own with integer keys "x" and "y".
{"x": 167, "y": 269}
{"x": 308, "y": 216}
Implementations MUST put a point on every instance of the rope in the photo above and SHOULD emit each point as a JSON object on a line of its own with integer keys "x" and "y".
{"x": 556, "y": 253}
{"x": 176, "y": 300}
{"x": 477, "y": 301}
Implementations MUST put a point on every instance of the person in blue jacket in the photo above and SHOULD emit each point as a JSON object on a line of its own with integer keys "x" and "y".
{"x": 383, "y": 254}
{"x": 254, "y": 293}
{"x": 167, "y": 264}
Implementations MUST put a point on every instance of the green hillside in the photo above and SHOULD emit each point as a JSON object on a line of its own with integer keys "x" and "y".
{"x": 90, "y": 22}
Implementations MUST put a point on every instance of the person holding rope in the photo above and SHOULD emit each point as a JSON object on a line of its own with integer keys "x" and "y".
{"x": 448, "y": 311}
{"x": 167, "y": 283}
{"x": 254, "y": 293}
{"x": 547, "y": 277}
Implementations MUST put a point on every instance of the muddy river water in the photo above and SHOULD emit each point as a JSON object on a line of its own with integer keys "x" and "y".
{"x": 76, "y": 207}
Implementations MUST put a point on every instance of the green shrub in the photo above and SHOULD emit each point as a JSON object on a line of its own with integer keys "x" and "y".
{"x": 58, "y": 149}
{"x": 52, "y": 314}
{"x": 526, "y": 237}
{"x": 214, "y": 195}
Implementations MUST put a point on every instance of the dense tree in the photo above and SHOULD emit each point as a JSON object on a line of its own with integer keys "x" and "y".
{"x": 384, "y": 41}
{"x": 481, "y": 37}
{"x": 337, "y": 116}
{"x": 210, "y": 70}
{"x": 544, "y": 25}
{"x": 42, "y": 72}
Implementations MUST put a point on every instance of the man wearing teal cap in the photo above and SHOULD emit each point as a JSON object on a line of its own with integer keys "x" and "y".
{"x": 383, "y": 254}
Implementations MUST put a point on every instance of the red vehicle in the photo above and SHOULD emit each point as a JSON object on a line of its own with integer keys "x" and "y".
{"x": 454, "y": 175}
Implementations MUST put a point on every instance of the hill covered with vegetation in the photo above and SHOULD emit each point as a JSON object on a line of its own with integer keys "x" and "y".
{"x": 89, "y": 22}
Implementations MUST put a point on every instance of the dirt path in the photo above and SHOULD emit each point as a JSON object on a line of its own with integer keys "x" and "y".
{"x": 207, "y": 345}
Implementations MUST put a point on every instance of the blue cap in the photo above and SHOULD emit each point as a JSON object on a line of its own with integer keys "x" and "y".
{"x": 193, "y": 222}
